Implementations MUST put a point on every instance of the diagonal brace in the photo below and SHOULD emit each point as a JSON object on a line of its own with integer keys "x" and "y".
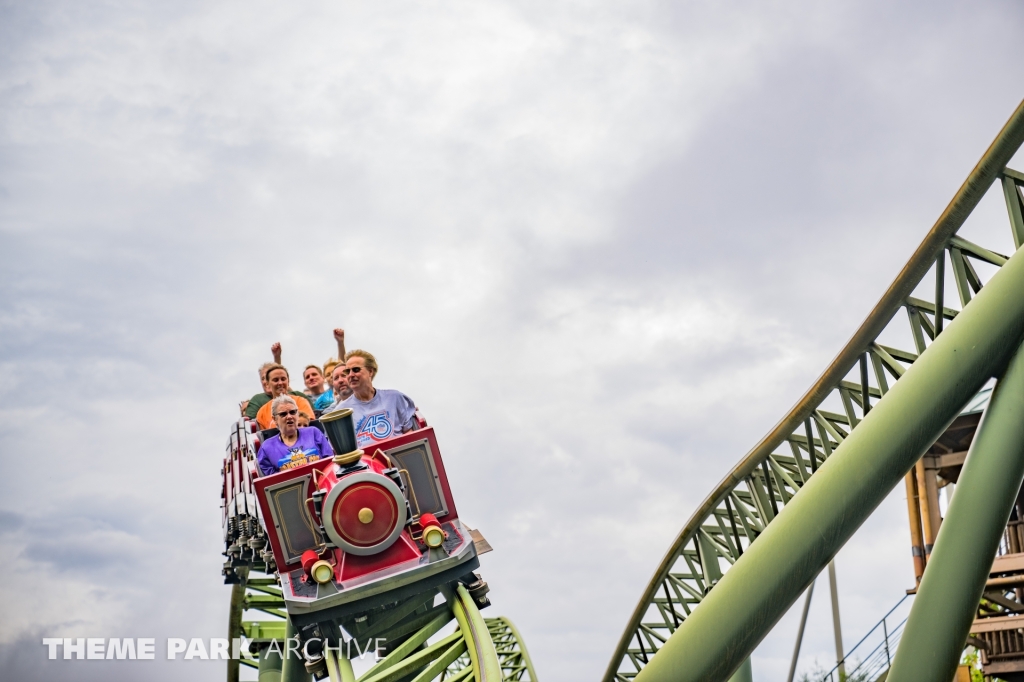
{"x": 954, "y": 580}
{"x": 762, "y": 585}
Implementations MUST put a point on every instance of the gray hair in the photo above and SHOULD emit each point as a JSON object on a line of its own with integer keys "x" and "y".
{"x": 281, "y": 400}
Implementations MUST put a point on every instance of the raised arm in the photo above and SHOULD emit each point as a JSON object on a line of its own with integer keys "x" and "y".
{"x": 339, "y": 336}
{"x": 275, "y": 350}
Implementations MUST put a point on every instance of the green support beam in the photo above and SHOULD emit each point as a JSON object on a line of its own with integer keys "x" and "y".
{"x": 751, "y": 597}
{"x": 482, "y": 653}
{"x": 270, "y": 666}
{"x": 293, "y": 669}
{"x": 235, "y": 625}
{"x": 735, "y": 514}
{"x": 744, "y": 674}
{"x": 954, "y": 581}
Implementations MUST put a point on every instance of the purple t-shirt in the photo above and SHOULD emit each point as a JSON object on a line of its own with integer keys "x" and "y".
{"x": 310, "y": 446}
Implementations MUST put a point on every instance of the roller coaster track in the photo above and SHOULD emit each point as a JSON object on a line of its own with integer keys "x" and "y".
{"x": 487, "y": 649}
{"x": 750, "y": 497}
{"x": 900, "y": 328}
{"x": 489, "y": 645}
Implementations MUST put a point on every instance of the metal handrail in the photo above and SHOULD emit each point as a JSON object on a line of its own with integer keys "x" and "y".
{"x": 889, "y": 640}
{"x": 988, "y": 169}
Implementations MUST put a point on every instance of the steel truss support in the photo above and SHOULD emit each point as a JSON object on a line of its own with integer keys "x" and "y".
{"x": 773, "y": 572}
{"x": 339, "y": 669}
{"x": 744, "y": 674}
{"x": 479, "y": 650}
{"x": 954, "y": 581}
{"x": 235, "y": 625}
{"x": 800, "y": 633}
{"x": 516, "y": 665}
{"x": 751, "y": 496}
{"x": 468, "y": 653}
{"x": 837, "y": 629}
{"x": 270, "y": 666}
{"x": 293, "y": 669}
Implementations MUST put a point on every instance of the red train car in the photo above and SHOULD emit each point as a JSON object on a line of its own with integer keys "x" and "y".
{"x": 361, "y": 530}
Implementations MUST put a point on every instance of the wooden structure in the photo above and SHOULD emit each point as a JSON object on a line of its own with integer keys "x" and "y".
{"x": 998, "y": 630}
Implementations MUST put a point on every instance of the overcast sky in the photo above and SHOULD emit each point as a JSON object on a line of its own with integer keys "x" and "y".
{"x": 604, "y": 246}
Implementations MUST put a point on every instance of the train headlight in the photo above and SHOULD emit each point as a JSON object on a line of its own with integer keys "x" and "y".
{"x": 433, "y": 535}
{"x": 322, "y": 571}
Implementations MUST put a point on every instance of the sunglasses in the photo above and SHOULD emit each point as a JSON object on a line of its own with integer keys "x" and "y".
{"x": 288, "y": 413}
{"x": 355, "y": 370}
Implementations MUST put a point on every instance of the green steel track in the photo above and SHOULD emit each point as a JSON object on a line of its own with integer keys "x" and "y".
{"x": 436, "y": 634}
{"x": 910, "y": 317}
{"x": 749, "y": 498}
{"x": 490, "y": 647}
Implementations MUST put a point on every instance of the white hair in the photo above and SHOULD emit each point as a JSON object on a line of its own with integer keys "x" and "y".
{"x": 281, "y": 400}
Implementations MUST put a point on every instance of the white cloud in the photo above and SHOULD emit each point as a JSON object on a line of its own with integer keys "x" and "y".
{"x": 605, "y": 248}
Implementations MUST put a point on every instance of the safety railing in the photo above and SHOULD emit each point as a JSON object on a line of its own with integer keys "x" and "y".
{"x": 872, "y": 655}
{"x": 1013, "y": 539}
{"x": 738, "y": 511}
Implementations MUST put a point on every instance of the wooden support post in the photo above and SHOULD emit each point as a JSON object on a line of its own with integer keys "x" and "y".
{"x": 928, "y": 525}
{"x": 931, "y": 493}
{"x": 916, "y": 535}
{"x": 944, "y": 612}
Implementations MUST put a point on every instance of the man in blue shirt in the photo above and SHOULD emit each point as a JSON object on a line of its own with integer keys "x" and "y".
{"x": 377, "y": 413}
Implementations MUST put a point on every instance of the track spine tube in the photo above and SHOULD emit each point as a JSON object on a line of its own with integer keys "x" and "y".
{"x": 954, "y": 581}
{"x": 745, "y": 673}
{"x": 478, "y": 638}
{"x": 987, "y": 170}
{"x": 751, "y": 597}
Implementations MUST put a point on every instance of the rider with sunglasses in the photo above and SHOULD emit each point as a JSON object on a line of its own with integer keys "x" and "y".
{"x": 294, "y": 445}
{"x": 377, "y": 413}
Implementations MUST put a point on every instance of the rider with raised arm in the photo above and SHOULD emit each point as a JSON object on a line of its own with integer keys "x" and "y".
{"x": 253, "y": 404}
{"x": 324, "y": 400}
{"x": 378, "y": 413}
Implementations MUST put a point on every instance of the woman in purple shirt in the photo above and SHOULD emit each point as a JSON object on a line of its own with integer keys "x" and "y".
{"x": 293, "y": 446}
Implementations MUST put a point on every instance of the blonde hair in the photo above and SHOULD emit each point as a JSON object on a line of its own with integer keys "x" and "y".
{"x": 316, "y": 367}
{"x": 371, "y": 362}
